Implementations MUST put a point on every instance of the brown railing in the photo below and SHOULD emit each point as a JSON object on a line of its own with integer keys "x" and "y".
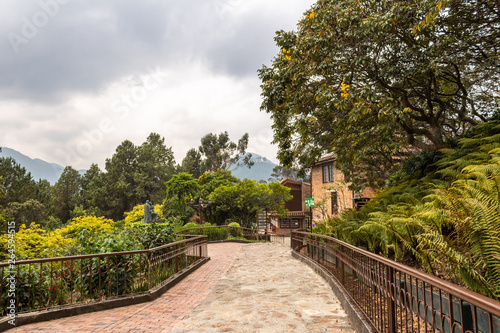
{"x": 220, "y": 233}
{"x": 396, "y": 298}
{"x": 31, "y": 285}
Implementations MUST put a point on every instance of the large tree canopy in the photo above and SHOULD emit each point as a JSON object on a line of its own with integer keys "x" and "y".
{"x": 221, "y": 153}
{"x": 135, "y": 174}
{"x": 367, "y": 79}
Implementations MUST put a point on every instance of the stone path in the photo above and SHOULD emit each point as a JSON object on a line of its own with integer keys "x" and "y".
{"x": 266, "y": 290}
{"x": 243, "y": 288}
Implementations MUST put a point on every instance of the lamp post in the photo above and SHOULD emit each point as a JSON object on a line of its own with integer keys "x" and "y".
{"x": 200, "y": 205}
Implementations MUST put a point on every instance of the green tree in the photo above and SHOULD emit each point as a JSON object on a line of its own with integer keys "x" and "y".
{"x": 120, "y": 180}
{"x": 365, "y": 79}
{"x": 23, "y": 199}
{"x": 275, "y": 198}
{"x": 18, "y": 184}
{"x": 192, "y": 163}
{"x": 155, "y": 165}
{"x": 66, "y": 193}
{"x": 3, "y": 217}
{"x": 27, "y": 212}
{"x": 180, "y": 189}
{"x": 221, "y": 153}
{"x": 93, "y": 191}
{"x": 243, "y": 200}
{"x": 43, "y": 195}
{"x": 136, "y": 174}
{"x": 209, "y": 182}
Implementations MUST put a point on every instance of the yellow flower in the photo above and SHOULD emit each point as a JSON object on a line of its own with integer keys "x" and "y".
{"x": 310, "y": 14}
{"x": 345, "y": 90}
{"x": 287, "y": 54}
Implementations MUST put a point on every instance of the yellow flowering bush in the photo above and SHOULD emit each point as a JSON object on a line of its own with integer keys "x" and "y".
{"x": 91, "y": 223}
{"x": 137, "y": 214}
{"x": 34, "y": 242}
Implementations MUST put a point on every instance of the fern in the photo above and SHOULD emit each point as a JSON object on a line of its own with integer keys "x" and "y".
{"x": 448, "y": 219}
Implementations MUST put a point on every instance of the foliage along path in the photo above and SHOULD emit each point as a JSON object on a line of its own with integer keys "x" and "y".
{"x": 243, "y": 288}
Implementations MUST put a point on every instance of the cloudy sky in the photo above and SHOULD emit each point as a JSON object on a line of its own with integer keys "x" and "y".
{"x": 79, "y": 77}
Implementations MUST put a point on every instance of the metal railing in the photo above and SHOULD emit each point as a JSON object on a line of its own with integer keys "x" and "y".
{"x": 282, "y": 239}
{"x": 31, "y": 285}
{"x": 396, "y": 298}
{"x": 220, "y": 233}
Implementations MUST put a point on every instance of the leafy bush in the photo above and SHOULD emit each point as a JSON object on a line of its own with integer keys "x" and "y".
{"x": 234, "y": 231}
{"x": 191, "y": 225}
{"x": 441, "y": 213}
{"x": 34, "y": 242}
{"x": 28, "y": 291}
{"x": 151, "y": 234}
{"x": 95, "y": 225}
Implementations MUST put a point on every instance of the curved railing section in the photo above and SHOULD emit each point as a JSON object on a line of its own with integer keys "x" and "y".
{"x": 396, "y": 298}
{"x": 221, "y": 233}
{"x": 31, "y": 285}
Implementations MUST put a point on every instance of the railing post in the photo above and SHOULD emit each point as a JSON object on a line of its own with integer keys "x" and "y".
{"x": 342, "y": 271}
{"x": 176, "y": 258}
{"x": 391, "y": 301}
{"x": 148, "y": 259}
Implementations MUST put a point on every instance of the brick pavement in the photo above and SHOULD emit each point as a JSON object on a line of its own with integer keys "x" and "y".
{"x": 160, "y": 315}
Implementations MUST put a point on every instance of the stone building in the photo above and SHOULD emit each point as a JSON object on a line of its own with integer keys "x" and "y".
{"x": 330, "y": 190}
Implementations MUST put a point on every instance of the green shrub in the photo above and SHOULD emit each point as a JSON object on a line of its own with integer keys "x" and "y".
{"x": 234, "y": 230}
{"x": 150, "y": 234}
{"x": 190, "y": 225}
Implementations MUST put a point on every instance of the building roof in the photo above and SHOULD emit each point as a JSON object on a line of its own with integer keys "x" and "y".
{"x": 327, "y": 158}
{"x": 292, "y": 181}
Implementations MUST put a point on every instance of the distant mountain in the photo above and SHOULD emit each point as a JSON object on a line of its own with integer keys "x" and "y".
{"x": 261, "y": 170}
{"x": 38, "y": 168}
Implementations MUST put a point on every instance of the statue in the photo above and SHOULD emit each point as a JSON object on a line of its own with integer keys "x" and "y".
{"x": 149, "y": 212}
{"x": 154, "y": 215}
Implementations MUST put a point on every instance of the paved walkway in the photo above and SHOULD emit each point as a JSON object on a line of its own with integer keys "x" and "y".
{"x": 244, "y": 288}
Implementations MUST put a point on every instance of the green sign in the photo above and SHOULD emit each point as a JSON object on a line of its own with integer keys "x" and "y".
{"x": 309, "y": 202}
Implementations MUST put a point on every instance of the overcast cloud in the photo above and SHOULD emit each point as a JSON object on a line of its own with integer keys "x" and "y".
{"x": 79, "y": 77}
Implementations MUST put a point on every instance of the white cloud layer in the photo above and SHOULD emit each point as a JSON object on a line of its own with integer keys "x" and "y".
{"x": 80, "y": 77}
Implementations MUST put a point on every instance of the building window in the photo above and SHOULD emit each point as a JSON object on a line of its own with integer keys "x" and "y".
{"x": 335, "y": 203}
{"x": 289, "y": 223}
{"x": 358, "y": 203}
{"x": 327, "y": 173}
